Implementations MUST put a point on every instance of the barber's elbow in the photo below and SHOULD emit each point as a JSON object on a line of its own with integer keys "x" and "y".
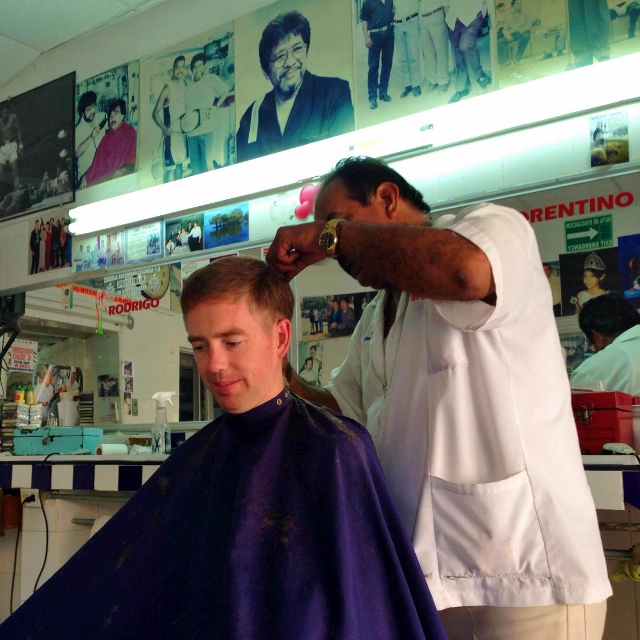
{"x": 475, "y": 283}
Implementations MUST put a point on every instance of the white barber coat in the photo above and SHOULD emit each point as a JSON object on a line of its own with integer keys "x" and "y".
{"x": 476, "y": 435}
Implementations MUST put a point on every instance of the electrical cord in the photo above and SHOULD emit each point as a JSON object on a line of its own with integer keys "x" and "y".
{"x": 46, "y": 543}
{"x": 30, "y": 498}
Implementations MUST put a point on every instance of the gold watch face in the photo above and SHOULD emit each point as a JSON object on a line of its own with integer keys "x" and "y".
{"x": 327, "y": 241}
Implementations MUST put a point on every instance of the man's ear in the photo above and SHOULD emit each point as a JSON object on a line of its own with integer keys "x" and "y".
{"x": 388, "y": 194}
{"x": 598, "y": 340}
{"x": 283, "y": 333}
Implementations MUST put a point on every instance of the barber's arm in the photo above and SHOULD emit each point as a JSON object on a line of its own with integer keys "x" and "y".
{"x": 431, "y": 263}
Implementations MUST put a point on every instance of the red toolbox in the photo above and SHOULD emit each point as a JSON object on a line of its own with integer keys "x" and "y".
{"x": 602, "y": 417}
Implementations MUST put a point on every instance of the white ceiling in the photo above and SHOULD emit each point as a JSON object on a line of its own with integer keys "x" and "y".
{"x": 29, "y": 28}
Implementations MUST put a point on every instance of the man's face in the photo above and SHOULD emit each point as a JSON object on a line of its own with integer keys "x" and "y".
{"x": 344, "y": 304}
{"x": 115, "y": 118}
{"x": 333, "y": 201}
{"x": 308, "y": 365}
{"x": 90, "y": 113}
{"x": 73, "y": 377}
{"x": 238, "y": 359}
{"x": 48, "y": 379}
{"x": 178, "y": 70}
{"x": 312, "y": 352}
{"x": 287, "y": 65}
{"x": 198, "y": 70}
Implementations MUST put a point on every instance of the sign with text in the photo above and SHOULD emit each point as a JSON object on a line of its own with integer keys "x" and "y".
{"x": 589, "y": 233}
{"x": 22, "y": 356}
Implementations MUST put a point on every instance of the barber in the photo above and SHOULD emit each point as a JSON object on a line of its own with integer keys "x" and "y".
{"x": 612, "y": 326}
{"x": 455, "y": 369}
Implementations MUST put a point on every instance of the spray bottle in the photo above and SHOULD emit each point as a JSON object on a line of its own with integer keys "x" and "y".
{"x": 161, "y": 431}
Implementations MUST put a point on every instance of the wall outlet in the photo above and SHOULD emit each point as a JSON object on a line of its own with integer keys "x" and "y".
{"x": 24, "y": 493}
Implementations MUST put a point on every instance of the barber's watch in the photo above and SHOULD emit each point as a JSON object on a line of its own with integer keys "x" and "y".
{"x": 329, "y": 238}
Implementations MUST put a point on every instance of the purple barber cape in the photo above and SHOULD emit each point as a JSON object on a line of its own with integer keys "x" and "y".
{"x": 272, "y": 524}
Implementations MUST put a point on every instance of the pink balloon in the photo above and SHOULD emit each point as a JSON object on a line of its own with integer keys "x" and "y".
{"x": 308, "y": 193}
{"x": 302, "y": 211}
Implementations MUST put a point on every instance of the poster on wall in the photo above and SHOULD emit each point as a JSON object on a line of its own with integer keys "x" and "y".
{"x": 586, "y": 275}
{"x": 629, "y": 256}
{"x": 332, "y": 316}
{"x": 37, "y": 148}
{"x": 609, "y": 138}
{"x": 106, "y": 125}
{"x": 188, "y": 123}
{"x": 532, "y": 39}
{"x": 51, "y": 381}
{"x": 407, "y": 63}
{"x": 138, "y": 284}
{"x": 184, "y": 235}
{"x": 22, "y": 356}
{"x": 577, "y": 348}
{"x": 310, "y": 359}
{"x": 98, "y": 252}
{"x": 297, "y": 55}
{"x": 50, "y": 244}
{"x": 227, "y": 225}
{"x": 143, "y": 243}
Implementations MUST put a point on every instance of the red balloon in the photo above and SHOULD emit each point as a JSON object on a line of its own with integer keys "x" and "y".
{"x": 308, "y": 193}
{"x": 302, "y": 211}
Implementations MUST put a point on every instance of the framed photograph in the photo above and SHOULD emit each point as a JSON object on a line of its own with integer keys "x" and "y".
{"x": 143, "y": 243}
{"x": 37, "y": 148}
{"x": 188, "y": 117}
{"x": 106, "y": 125}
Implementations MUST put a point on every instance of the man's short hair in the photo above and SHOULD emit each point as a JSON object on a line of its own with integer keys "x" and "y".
{"x": 198, "y": 57}
{"x": 87, "y": 99}
{"x": 118, "y": 102}
{"x": 292, "y": 23}
{"x": 266, "y": 293}
{"x": 361, "y": 176}
{"x": 609, "y": 314}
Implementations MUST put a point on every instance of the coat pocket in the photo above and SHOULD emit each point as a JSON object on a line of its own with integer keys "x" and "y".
{"x": 487, "y": 530}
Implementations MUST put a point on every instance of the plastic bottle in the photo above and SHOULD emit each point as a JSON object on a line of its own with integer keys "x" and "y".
{"x": 161, "y": 431}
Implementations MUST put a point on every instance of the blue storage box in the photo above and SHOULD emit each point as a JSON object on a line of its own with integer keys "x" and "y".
{"x": 46, "y": 440}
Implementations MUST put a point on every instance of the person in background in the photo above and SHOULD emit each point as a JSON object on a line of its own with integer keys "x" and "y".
{"x": 90, "y": 130}
{"x": 43, "y": 393}
{"x": 287, "y": 529}
{"x": 169, "y": 108}
{"x": 308, "y": 374}
{"x": 376, "y": 17}
{"x": 302, "y": 107}
{"x": 485, "y": 467}
{"x": 465, "y": 19}
{"x": 435, "y": 44}
{"x": 593, "y": 275}
{"x": 612, "y": 326}
{"x": 116, "y": 153}
{"x": 34, "y": 246}
{"x": 406, "y": 32}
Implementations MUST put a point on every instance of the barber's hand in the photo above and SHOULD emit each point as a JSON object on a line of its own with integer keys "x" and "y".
{"x": 368, "y": 43}
{"x": 295, "y": 248}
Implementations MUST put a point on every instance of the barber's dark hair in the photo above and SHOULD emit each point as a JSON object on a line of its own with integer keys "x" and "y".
{"x": 610, "y": 314}
{"x": 86, "y": 100}
{"x": 198, "y": 56}
{"x": 361, "y": 176}
{"x": 118, "y": 102}
{"x": 292, "y": 23}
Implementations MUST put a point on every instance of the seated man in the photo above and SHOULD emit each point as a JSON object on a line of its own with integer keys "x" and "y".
{"x": 612, "y": 326}
{"x": 272, "y": 522}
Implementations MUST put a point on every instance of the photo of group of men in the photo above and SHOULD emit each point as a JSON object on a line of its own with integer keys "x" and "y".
{"x": 50, "y": 244}
{"x": 36, "y": 148}
{"x": 99, "y": 252}
{"x": 106, "y": 126}
{"x": 333, "y": 316}
{"x": 184, "y": 235}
